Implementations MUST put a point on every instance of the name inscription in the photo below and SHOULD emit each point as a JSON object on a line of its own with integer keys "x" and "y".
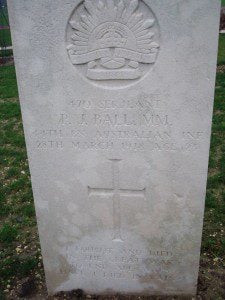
{"x": 138, "y": 124}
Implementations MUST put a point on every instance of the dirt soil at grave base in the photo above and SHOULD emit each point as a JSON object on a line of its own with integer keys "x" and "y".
{"x": 211, "y": 280}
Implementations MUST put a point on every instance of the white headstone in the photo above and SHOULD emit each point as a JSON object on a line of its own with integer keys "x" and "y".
{"x": 117, "y": 100}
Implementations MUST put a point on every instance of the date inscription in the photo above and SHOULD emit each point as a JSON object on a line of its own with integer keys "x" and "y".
{"x": 136, "y": 125}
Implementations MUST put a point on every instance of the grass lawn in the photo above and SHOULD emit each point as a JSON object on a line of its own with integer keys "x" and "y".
{"x": 19, "y": 249}
{"x": 20, "y": 254}
{"x": 4, "y": 19}
{"x": 221, "y": 54}
{"x": 223, "y": 2}
{"x": 5, "y": 37}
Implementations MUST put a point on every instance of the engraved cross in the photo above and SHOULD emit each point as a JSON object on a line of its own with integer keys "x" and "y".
{"x": 116, "y": 193}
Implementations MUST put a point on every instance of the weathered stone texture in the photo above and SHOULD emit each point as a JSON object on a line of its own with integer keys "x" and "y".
{"x": 117, "y": 100}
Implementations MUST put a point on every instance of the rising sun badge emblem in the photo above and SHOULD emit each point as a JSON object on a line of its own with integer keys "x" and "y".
{"x": 113, "y": 40}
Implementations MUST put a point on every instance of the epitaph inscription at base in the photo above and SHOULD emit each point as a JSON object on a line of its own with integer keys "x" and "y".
{"x": 117, "y": 101}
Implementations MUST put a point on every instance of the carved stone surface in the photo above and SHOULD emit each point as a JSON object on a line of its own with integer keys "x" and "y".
{"x": 113, "y": 40}
{"x": 117, "y": 130}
